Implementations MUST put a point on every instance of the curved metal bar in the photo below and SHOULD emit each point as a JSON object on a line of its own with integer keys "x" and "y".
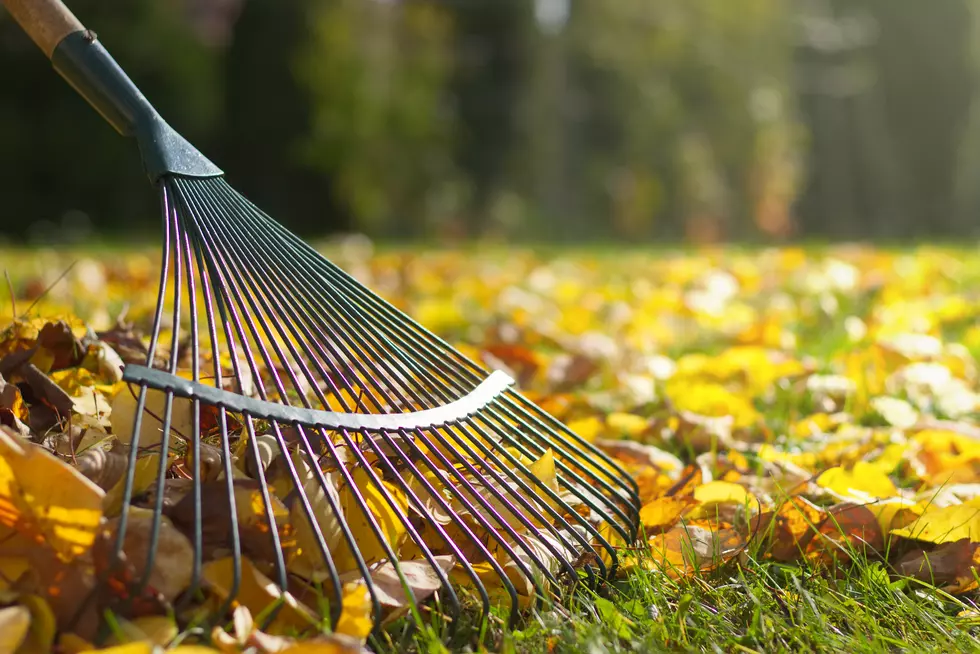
{"x": 471, "y": 403}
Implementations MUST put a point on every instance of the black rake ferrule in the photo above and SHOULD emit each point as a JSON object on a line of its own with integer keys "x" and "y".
{"x": 96, "y": 76}
{"x": 487, "y": 391}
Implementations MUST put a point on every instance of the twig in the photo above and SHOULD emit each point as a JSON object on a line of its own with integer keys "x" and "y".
{"x": 50, "y": 286}
{"x": 10, "y": 289}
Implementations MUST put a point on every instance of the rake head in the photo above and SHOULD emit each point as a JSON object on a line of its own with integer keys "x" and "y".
{"x": 347, "y": 443}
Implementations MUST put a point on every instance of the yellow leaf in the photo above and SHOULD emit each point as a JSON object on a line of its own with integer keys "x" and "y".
{"x": 722, "y": 492}
{"x": 123, "y": 417}
{"x": 42, "y": 496}
{"x": 334, "y": 644}
{"x": 588, "y": 428}
{"x": 145, "y": 475}
{"x": 862, "y": 482}
{"x": 544, "y": 470}
{"x": 895, "y": 512}
{"x": 72, "y": 644}
{"x": 945, "y": 525}
{"x": 43, "y": 626}
{"x": 391, "y": 526}
{"x": 355, "y": 617}
{"x": 156, "y": 629}
{"x": 711, "y": 400}
{"x": 257, "y": 592}
{"x": 663, "y": 512}
{"x": 130, "y": 648}
{"x": 15, "y": 621}
{"x": 716, "y": 493}
{"x": 626, "y": 424}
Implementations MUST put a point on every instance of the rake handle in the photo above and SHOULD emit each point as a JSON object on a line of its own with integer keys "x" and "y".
{"x": 47, "y": 22}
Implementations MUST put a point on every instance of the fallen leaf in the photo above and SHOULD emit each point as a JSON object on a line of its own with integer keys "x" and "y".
{"x": 43, "y": 498}
{"x": 661, "y": 514}
{"x": 862, "y": 482}
{"x": 258, "y": 593}
{"x": 355, "y": 616}
{"x": 15, "y": 622}
{"x": 945, "y": 525}
{"x": 173, "y": 556}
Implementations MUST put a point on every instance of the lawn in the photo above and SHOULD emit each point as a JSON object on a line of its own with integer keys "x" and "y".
{"x": 801, "y": 423}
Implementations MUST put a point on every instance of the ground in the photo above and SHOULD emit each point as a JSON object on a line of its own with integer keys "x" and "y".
{"x": 801, "y": 423}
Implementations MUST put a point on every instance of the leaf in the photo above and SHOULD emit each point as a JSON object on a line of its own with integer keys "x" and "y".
{"x": 951, "y": 565}
{"x": 42, "y": 497}
{"x": 253, "y": 522}
{"x": 142, "y": 647}
{"x": 848, "y": 529}
{"x": 662, "y": 513}
{"x": 15, "y": 622}
{"x": 723, "y": 492}
{"x": 687, "y": 549}
{"x": 146, "y": 474}
{"x": 46, "y": 390}
{"x": 156, "y": 629}
{"x": 392, "y": 528}
{"x": 174, "y": 554}
{"x": 258, "y": 593}
{"x": 786, "y": 532}
{"x": 421, "y": 578}
{"x": 945, "y": 525}
{"x": 308, "y": 561}
{"x": 40, "y": 639}
{"x": 123, "y": 417}
{"x": 332, "y": 644}
{"x": 544, "y": 470}
{"x": 355, "y": 617}
{"x": 863, "y": 482}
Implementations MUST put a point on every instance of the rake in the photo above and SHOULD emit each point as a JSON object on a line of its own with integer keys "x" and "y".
{"x": 372, "y": 451}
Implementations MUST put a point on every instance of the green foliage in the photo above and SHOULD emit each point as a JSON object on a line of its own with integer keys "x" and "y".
{"x": 376, "y": 71}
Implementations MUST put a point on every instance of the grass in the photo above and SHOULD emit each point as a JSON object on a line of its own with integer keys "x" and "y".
{"x": 754, "y": 606}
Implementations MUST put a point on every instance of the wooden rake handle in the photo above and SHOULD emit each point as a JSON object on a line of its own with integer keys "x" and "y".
{"x": 47, "y": 22}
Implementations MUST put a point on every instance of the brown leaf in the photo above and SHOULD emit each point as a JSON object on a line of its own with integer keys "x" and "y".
{"x": 787, "y": 531}
{"x": 687, "y": 549}
{"x": 174, "y": 554}
{"x": 848, "y": 529}
{"x": 419, "y": 574}
{"x": 46, "y": 390}
{"x": 125, "y": 340}
{"x": 253, "y": 526}
{"x": 950, "y": 565}
{"x": 104, "y": 467}
{"x": 64, "y": 348}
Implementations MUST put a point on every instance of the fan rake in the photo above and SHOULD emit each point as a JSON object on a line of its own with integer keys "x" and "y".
{"x": 308, "y": 431}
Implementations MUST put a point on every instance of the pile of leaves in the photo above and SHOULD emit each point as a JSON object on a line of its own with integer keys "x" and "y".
{"x": 808, "y": 408}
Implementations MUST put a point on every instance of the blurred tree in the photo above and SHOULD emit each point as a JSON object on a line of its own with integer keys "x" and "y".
{"x": 381, "y": 130}
{"x": 492, "y": 52}
{"x": 65, "y": 167}
{"x": 680, "y": 113}
{"x": 268, "y": 115}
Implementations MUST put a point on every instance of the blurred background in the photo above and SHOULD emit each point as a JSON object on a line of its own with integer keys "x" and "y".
{"x": 541, "y": 120}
